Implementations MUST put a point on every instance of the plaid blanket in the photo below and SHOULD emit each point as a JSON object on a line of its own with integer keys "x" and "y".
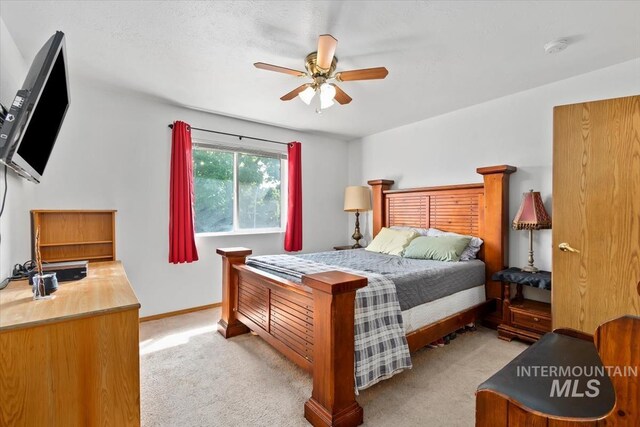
{"x": 381, "y": 348}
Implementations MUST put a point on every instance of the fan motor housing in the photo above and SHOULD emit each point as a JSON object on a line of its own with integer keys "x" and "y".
{"x": 315, "y": 71}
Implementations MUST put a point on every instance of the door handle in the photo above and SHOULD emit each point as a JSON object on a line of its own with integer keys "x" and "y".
{"x": 565, "y": 247}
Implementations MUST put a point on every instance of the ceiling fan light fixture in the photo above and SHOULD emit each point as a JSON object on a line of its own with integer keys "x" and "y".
{"x": 307, "y": 95}
{"x": 327, "y": 93}
{"x": 321, "y": 66}
{"x": 325, "y": 104}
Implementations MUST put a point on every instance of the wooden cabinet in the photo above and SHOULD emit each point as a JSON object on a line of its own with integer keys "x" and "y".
{"x": 74, "y": 235}
{"x": 531, "y": 315}
{"x": 524, "y": 319}
{"x": 72, "y": 360}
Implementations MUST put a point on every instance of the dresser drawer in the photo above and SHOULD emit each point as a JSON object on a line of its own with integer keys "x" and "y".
{"x": 533, "y": 321}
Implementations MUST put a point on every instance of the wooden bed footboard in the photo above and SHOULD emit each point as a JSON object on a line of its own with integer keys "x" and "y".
{"x": 311, "y": 324}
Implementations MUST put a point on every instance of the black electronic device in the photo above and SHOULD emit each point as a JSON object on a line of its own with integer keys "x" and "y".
{"x": 66, "y": 271}
{"x": 30, "y": 127}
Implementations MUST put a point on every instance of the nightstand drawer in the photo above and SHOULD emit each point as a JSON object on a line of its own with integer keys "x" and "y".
{"x": 533, "y": 321}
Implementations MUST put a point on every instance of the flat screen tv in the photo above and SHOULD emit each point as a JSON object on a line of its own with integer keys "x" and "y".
{"x": 32, "y": 124}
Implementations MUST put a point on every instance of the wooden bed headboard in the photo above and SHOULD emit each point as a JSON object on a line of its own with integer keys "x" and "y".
{"x": 480, "y": 210}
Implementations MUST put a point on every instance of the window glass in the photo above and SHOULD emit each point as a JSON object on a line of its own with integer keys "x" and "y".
{"x": 237, "y": 192}
{"x": 259, "y": 200}
{"x": 213, "y": 182}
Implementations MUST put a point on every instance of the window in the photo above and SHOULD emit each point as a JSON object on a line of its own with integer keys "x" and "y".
{"x": 238, "y": 191}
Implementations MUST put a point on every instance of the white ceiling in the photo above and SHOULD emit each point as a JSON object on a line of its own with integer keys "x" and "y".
{"x": 441, "y": 56}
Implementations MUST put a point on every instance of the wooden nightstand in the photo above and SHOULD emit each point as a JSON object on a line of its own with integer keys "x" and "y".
{"x": 524, "y": 319}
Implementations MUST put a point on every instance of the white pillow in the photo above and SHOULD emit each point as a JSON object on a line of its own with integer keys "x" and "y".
{"x": 392, "y": 242}
{"x": 471, "y": 252}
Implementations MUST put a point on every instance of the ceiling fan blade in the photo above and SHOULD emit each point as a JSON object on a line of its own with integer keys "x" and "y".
{"x": 295, "y": 92}
{"x": 278, "y": 69}
{"x": 341, "y": 96}
{"x": 364, "y": 74}
{"x": 326, "y": 49}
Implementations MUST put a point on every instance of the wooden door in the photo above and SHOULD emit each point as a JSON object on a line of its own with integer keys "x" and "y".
{"x": 596, "y": 211}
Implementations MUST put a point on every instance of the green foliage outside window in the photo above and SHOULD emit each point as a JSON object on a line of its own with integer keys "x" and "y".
{"x": 213, "y": 181}
{"x": 259, "y": 191}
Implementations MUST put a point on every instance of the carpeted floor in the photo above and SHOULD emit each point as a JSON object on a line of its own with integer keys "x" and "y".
{"x": 191, "y": 376}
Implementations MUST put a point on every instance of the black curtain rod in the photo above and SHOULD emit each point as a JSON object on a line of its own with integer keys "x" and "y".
{"x": 236, "y": 135}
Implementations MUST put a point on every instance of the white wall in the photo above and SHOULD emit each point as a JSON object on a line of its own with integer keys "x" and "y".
{"x": 13, "y": 70}
{"x": 515, "y": 130}
{"x": 113, "y": 152}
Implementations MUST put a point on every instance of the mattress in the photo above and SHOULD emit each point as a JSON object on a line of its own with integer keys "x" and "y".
{"x": 431, "y": 312}
{"x": 417, "y": 281}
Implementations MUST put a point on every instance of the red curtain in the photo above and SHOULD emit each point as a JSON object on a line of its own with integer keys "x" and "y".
{"x": 182, "y": 245}
{"x": 293, "y": 235}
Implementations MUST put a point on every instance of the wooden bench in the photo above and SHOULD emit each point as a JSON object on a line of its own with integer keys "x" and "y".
{"x": 566, "y": 380}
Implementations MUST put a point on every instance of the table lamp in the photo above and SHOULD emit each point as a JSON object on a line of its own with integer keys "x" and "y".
{"x": 357, "y": 199}
{"x": 531, "y": 216}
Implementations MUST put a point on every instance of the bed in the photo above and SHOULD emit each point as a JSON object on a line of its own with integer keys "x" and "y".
{"x": 309, "y": 312}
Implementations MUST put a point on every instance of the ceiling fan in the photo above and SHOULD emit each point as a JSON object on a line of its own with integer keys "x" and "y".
{"x": 321, "y": 67}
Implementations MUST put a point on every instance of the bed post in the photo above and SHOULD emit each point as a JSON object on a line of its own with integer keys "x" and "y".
{"x": 229, "y": 326}
{"x": 333, "y": 401}
{"x": 378, "y": 186}
{"x": 496, "y": 229}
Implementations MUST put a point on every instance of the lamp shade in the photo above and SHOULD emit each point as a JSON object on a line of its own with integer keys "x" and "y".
{"x": 357, "y": 198}
{"x": 532, "y": 215}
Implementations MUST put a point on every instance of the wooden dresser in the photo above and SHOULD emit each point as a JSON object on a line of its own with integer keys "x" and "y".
{"x": 72, "y": 360}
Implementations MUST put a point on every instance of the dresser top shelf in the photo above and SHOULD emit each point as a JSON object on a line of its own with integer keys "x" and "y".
{"x": 74, "y": 235}
{"x": 96, "y": 242}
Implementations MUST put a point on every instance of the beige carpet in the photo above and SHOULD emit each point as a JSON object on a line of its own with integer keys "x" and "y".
{"x": 191, "y": 376}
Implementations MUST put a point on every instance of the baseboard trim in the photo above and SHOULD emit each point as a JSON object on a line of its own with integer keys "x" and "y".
{"x": 179, "y": 312}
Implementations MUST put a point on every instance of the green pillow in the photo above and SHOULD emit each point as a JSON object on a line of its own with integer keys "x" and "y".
{"x": 440, "y": 248}
{"x": 391, "y": 242}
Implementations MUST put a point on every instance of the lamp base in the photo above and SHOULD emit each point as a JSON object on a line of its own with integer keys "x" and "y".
{"x": 530, "y": 269}
{"x": 356, "y": 234}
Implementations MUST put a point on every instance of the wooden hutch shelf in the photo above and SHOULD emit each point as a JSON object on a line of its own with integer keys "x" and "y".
{"x": 85, "y": 258}
{"x": 74, "y": 235}
{"x": 99, "y": 242}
